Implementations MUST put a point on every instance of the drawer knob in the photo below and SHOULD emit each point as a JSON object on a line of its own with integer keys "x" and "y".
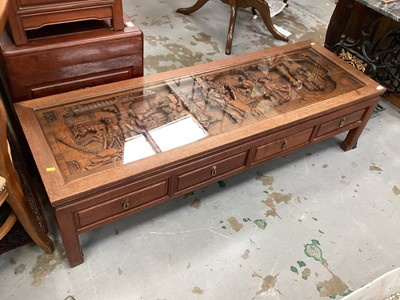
{"x": 342, "y": 122}
{"x": 125, "y": 203}
{"x": 214, "y": 171}
{"x": 284, "y": 144}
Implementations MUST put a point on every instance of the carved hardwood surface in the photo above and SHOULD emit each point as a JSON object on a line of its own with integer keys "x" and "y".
{"x": 89, "y": 136}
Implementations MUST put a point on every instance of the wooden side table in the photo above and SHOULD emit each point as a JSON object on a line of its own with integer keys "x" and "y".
{"x": 259, "y": 5}
{"x": 27, "y": 15}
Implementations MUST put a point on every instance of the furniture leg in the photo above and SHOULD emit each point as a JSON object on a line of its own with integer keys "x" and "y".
{"x": 22, "y": 211}
{"x": 195, "y": 7}
{"x": 70, "y": 237}
{"x": 265, "y": 13}
{"x": 350, "y": 142}
{"x": 232, "y": 22}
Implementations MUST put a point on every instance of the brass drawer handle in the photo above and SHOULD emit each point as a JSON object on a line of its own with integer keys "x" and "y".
{"x": 125, "y": 203}
{"x": 342, "y": 122}
{"x": 214, "y": 171}
{"x": 284, "y": 144}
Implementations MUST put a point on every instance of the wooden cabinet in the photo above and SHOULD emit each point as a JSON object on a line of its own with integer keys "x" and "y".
{"x": 74, "y": 58}
{"x": 26, "y": 15}
{"x": 253, "y": 108}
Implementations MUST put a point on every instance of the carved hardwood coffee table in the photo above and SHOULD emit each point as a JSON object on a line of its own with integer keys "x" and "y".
{"x": 107, "y": 152}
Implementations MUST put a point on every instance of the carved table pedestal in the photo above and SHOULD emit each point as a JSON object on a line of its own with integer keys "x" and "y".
{"x": 259, "y": 5}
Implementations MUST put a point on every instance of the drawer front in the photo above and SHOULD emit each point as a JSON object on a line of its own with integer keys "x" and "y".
{"x": 52, "y": 88}
{"x": 58, "y": 68}
{"x": 281, "y": 145}
{"x": 211, "y": 171}
{"x": 29, "y": 3}
{"x": 122, "y": 204}
{"x": 340, "y": 123}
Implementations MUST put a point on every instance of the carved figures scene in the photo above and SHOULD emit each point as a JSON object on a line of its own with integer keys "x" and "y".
{"x": 88, "y": 136}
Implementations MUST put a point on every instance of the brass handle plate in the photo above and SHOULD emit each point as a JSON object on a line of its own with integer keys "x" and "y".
{"x": 284, "y": 144}
{"x": 125, "y": 203}
{"x": 214, "y": 171}
{"x": 342, "y": 122}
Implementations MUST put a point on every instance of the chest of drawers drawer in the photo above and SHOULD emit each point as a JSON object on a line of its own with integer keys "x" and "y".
{"x": 122, "y": 204}
{"x": 340, "y": 123}
{"x": 209, "y": 170}
{"x": 274, "y": 144}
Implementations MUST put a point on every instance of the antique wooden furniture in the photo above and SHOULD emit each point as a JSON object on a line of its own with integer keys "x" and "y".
{"x": 12, "y": 197}
{"x": 109, "y": 151}
{"x": 71, "y": 56}
{"x": 13, "y": 203}
{"x": 3, "y": 13}
{"x": 259, "y": 5}
{"x": 7, "y": 216}
{"x": 366, "y": 33}
{"x": 25, "y": 15}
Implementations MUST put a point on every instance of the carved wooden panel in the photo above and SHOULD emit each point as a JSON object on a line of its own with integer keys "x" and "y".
{"x": 90, "y": 135}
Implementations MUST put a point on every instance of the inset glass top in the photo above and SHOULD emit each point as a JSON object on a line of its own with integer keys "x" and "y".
{"x": 94, "y": 134}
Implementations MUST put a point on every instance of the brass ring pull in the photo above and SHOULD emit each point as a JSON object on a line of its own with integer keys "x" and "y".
{"x": 284, "y": 144}
{"x": 125, "y": 203}
{"x": 342, "y": 122}
{"x": 214, "y": 171}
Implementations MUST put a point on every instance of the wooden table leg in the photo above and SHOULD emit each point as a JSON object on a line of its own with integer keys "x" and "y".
{"x": 265, "y": 13}
{"x": 70, "y": 237}
{"x": 195, "y": 7}
{"x": 234, "y": 7}
{"x": 350, "y": 142}
{"x": 259, "y": 5}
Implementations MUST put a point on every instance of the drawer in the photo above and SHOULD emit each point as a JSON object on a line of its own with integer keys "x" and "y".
{"x": 282, "y": 145}
{"x": 51, "y": 88}
{"x": 122, "y": 204}
{"x": 211, "y": 171}
{"x": 340, "y": 123}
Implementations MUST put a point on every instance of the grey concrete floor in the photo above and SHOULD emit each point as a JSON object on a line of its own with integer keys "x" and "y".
{"x": 316, "y": 224}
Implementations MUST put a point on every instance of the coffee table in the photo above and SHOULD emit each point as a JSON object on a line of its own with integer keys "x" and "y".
{"x": 107, "y": 152}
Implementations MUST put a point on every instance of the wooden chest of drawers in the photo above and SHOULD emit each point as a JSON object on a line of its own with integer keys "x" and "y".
{"x": 77, "y": 56}
{"x": 242, "y": 111}
{"x": 26, "y": 15}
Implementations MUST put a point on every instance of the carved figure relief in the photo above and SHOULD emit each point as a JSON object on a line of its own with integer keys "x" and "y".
{"x": 90, "y": 135}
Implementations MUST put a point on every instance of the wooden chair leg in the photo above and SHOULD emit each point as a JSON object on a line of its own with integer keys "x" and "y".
{"x": 19, "y": 204}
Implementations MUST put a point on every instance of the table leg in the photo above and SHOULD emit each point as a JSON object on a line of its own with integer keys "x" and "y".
{"x": 195, "y": 7}
{"x": 265, "y": 13}
{"x": 70, "y": 237}
{"x": 350, "y": 142}
{"x": 232, "y": 22}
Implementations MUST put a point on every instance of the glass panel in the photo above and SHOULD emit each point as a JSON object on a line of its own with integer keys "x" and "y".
{"x": 94, "y": 134}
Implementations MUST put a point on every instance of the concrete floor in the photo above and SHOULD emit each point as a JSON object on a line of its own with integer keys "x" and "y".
{"x": 316, "y": 224}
